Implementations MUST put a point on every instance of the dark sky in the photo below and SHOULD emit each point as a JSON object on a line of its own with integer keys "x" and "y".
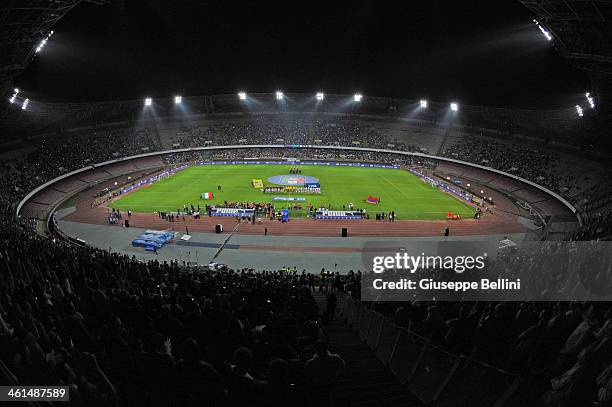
{"x": 483, "y": 52}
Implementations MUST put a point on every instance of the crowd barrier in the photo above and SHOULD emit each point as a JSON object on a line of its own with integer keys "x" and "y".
{"x": 435, "y": 376}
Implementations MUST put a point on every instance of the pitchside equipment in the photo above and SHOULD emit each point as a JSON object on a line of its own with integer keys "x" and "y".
{"x": 235, "y": 212}
{"x": 345, "y": 215}
{"x": 153, "y": 238}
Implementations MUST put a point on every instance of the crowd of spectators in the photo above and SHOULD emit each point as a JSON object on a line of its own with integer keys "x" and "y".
{"x": 285, "y": 129}
{"x": 562, "y": 350}
{"x": 541, "y": 166}
{"x": 311, "y": 154}
{"x": 589, "y": 189}
{"x": 118, "y": 331}
{"x": 54, "y": 157}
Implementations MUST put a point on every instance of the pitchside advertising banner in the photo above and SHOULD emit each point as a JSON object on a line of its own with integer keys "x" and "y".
{"x": 328, "y": 163}
{"x": 487, "y": 271}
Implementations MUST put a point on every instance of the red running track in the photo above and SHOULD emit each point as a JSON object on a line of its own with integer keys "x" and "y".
{"x": 497, "y": 222}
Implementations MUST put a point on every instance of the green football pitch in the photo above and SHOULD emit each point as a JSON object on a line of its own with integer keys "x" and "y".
{"x": 399, "y": 190}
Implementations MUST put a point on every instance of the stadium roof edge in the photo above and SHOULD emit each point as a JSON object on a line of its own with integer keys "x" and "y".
{"x": 271, "y": 95}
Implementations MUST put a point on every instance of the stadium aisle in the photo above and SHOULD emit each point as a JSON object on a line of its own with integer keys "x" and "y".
{"x": 365, "y": 382}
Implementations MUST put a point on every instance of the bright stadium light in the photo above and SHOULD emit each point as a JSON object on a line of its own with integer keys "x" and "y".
{"x": 590, "y": 100}
{"x": 357, "y": 97}
{"x": 24, "y": 106}
{"x": 579, "y": 111}
{"x": 148, "y": 101}
{"x": 178, "y": 100}
{"x": 454, "y": 106}
{"x": 42, "y": 44}
{"x": 423, "y": 104}
{"x": 320, "y": 96}
{"x": 15, "y": 93}
{"x": 279, "y": 95}
{"x": 242, "y": 95}
{"x": 544, "y": 31}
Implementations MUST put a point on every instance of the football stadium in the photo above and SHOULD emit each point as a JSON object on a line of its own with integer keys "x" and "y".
{"x": 261, "y": 205}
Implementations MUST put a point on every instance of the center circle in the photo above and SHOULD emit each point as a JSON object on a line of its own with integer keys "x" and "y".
{"x": 293, "y": 180}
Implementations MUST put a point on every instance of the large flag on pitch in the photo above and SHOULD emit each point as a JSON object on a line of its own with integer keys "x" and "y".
{"x": 207, "y": 195}
{"x": 373, "y": 200}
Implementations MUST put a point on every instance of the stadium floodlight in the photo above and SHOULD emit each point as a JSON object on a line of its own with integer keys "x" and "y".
{"x": 242, "y": 95}
{"x": 15, "y": 93}
{"x": 454, "y": 106}
{"x": 25, "y": 103}
{"x": 357, "y": 97}
{"x": 42, "y": 44}
{"x": 590, "y": 100}
{"x": 178, "y": 100}
{"x": 279, "y": 95}
{"x": 544, "y": 31}
{"x": 579, "y": 111}
{"x": 320, "y": 96}
{"x": 148, "y": 101}
{"x": 423, "y": 103}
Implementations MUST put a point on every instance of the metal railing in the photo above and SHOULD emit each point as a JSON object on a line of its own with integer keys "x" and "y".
{"x": 435, "y": 376}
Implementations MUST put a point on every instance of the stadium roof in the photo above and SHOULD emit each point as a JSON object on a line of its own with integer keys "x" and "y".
{"x": 582, "y": 33}
{"x": 23, "y": 24}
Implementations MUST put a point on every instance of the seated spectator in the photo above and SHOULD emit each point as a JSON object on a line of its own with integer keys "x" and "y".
{"x": 577, "y": 386}
{"x": 241, "y": 383}
{"x": 321, "y": 373}
{"x": 198, "y": 380}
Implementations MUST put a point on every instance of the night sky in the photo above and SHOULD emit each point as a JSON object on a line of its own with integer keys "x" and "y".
{"x": 479, "y": 52}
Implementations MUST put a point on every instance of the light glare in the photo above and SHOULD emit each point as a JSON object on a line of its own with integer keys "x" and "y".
{"x": 42, "y": 44}
{"x": 357, "y": 97}
{"x": 178, "y": 100}
{"x": 242, "y": 95}
{"x": 320, "y": 96}
{"x": 148, "y": 102}
{"x": 423, "y": 104}
{"x": 454, "y": 106}
{"x": 590, "y": 100}
{"x": 544, "y": 31}
{"x": 12, "y": 99}
{"x": 279, "y": 95}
